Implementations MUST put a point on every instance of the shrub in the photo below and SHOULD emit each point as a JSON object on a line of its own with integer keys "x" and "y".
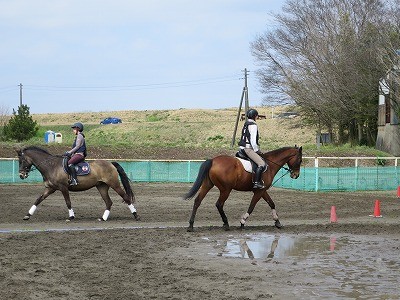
{"x": 21, "y": 125}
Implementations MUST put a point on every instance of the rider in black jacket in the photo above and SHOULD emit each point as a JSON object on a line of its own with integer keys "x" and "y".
{"x": 249, "y": 143}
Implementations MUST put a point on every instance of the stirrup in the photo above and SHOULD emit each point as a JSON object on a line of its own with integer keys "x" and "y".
{"x": 258, "y": 185}
{"x": 73, "y": 181}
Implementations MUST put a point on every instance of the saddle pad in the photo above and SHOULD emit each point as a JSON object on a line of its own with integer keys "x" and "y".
{"x": 81, "y": 168}
{"x": 246, "y": 164}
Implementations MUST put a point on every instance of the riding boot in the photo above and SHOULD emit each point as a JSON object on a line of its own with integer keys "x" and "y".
{"x": 258, "y": 184}
{"x": 72, "y": 171}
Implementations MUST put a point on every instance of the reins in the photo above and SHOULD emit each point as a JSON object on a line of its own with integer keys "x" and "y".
{"x": 35, "y": 166}
{"x": 288, "y": 170}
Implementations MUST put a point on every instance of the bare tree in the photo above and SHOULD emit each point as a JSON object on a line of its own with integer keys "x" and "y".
{"x": 328, "y": 56}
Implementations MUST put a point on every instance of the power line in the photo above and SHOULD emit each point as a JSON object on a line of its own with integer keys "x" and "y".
{"x": 115, "y": 88}
{"x": 134, "y": 86}
{"x": 7, "y": 89}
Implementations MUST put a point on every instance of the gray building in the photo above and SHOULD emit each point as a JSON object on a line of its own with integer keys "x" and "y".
{"x": 388, "y": 138}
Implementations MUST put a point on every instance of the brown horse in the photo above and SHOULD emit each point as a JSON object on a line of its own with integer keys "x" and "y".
{"x": 103, "y": 175}
{"x": 227, "y": 173}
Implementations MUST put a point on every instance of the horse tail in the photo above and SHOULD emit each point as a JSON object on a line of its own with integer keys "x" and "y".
{"x": 125, "y": 180}
{"x": 203, "y": 172}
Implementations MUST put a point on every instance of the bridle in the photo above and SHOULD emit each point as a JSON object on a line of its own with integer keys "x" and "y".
{"x": 288, "y": 170}
{"x": 31, "y": 166}
{"x": 27, "y": 167}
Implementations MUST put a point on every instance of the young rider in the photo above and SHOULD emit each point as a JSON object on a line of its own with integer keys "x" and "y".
{"x": 78, "y": 151}
{"x": 249, "y": 143}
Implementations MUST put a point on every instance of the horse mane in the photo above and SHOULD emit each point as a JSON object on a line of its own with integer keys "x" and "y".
{"x": 35, "y": 148}
{"x": 272, "y": 152}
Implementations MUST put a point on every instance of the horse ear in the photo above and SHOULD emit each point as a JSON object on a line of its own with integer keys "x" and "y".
{"x": 301, "y": 149}
{"x": 18, "y": 150}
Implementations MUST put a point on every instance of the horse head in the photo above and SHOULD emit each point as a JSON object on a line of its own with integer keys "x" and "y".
{"x": 294, "y": 162}
{"x": 25, "y": 164}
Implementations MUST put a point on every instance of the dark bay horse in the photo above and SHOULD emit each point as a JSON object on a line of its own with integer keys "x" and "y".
{"x": 103, "y": 175}
{"x": 227, "y": 173}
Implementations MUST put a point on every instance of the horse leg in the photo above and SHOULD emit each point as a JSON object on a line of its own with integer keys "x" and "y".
{"x": 256, "y": 197}
{"x": 223, "y": 195}
{"x": 204, "y": 189}
{"x": 128, "y": 201}
{"x": 71, "y": 214}
{"x": 271, "y": 204}
{"x": 103, "y": 190}
{"x": 39, "y": 200}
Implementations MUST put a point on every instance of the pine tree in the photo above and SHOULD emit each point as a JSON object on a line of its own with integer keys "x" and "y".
{"x": 21, "y": 126}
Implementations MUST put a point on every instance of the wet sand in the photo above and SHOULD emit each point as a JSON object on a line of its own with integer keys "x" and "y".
{"x": 156, "y": 258}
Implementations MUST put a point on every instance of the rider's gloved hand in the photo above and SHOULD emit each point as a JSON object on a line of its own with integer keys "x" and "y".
{"x": 67, "y": 154}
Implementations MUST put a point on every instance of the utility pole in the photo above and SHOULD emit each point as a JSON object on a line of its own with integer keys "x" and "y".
{"x": 20, "y": 94}
{"x": 245, "y": 96}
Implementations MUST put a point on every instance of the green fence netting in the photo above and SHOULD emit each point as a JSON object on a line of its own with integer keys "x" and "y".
{"x": 311, "y": 178}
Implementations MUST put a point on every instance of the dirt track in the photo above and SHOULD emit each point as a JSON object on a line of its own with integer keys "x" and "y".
{"x": 49, "y": 258}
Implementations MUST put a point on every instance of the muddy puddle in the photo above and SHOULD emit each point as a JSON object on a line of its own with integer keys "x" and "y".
{"x": 336, "y": 266}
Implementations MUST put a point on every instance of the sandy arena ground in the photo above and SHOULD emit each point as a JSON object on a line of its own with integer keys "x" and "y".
{"x": 155, "y": 258}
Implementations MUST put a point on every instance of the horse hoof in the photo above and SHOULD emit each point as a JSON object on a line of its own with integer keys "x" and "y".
{"x": 137, "y": 218}
{"x": 71, "y": 218}
{"x": 101, "y": 220}
{"x": 241, "y": 226}
{"x": 226, "y": 227}
{"x": 190, "y": 229}
{"x": 26, "y": 218}
{"x": 278, "y": 224}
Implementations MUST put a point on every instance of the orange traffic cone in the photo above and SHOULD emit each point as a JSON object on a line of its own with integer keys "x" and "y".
{"x": 333, "y": 214}
{"x": 377, "y": 209}
{"x": 398, "y": 192}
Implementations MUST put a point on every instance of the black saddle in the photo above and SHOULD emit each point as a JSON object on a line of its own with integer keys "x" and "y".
{"x": 82, "y": 168}
{"x": 241, "y": 154}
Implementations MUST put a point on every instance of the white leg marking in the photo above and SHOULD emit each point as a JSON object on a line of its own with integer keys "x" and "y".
{"x": 106, "y": 214}
{"x": 244, "y": 218}
{"x": 274, "y": 215}
{"x": 132, "y": 208}
{"x": 32, "y": 210}
{"x": 71, "y": 213}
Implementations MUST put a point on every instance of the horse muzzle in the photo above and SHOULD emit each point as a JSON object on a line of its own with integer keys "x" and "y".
{"x": 23, "y": 175}
{"x": 294, "y": 174}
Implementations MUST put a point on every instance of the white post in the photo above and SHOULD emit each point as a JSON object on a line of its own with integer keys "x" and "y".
{"x": 356, "y": 179}
{"x": 13, "y": 170}
{"x": 397, "y": 175}
{"x": 188, "y": 171}
{"x": 316, "y": 173}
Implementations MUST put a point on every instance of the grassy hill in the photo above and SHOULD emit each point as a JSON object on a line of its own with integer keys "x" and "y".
{"x": 178, "y": 128}
{"x": 181, "y": 133}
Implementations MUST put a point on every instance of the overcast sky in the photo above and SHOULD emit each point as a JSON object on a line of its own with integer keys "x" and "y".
{"x": 97, "y": 55}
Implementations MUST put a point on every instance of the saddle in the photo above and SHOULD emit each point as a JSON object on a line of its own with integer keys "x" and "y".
{"x": 82, "y": 168}
{"x": 243, "y": 156}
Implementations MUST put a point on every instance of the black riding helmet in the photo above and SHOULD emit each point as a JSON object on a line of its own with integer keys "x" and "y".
{"x": 252, "y": 114}
{"x": 78, "y": 125}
